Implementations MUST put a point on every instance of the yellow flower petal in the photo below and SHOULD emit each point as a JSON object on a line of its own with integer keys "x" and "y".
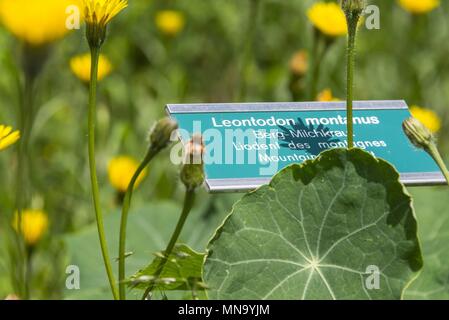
{"x": 101, "y": 12}
{"x": 427, "y": 117}
{"x": 329, "y": 18}
{"x": 7, "y": 136}
{"x": 36, "y": 22}
{"x": 80, "y": 66}
{"x": 326, "y": 96}
{"x": 34, "y": 224}
{"x": 121, "y": 170}
{"x": 170, "y": 22}
{"x": 419, "y": 6}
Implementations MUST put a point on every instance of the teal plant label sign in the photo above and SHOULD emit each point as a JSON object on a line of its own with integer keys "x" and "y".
{"x": 246, "y": 144}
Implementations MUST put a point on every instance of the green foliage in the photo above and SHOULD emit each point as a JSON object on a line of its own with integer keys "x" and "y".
{"x": 183, "y": 271}
{"x": 312, "y": 233}
{"x": 406, "y": 59}
{"x": 150, "y": 229}
{"x": 433, "y": 218}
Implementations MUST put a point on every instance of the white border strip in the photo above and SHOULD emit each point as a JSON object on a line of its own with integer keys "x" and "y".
{"x": 283, "y": 106}
{"x": 249, "y": 184}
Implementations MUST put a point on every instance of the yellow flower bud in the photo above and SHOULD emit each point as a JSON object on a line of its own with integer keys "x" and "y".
{"x": 328, "y": 18}
{"x": 7, "y": 136}
{"x": 121, "y": 170}
{"x": 34, "y": 224}
{"x": 427, "y": 117}
{"x": 326, "y": 96}
{"x": 36, "y": 22}
{"x": 419, "y": 6}
{"x": 170, "y": 22}
{"x": 80, "y": 66}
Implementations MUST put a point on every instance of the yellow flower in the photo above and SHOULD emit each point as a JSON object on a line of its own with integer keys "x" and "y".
{"x": 7, "y": 136}
{"x": 37, "y": 22}
{"x": 326, "y": 96}
{"x": 329, "y": 18}
{"x": 34, "y": 224}
{"x": 428, "y": 118}
{"x": 121, "y": 170}
{"x": 101, "y": 12}
{"x": 170, "y": 22}
{"x": 80, "y": 66}
{"x": 419, "y": 6}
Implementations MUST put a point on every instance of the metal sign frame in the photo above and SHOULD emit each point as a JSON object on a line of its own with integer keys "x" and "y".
{"x": 246, "y": 184}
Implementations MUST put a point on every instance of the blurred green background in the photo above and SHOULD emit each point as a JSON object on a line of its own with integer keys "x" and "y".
{"x": 406, "y": 59}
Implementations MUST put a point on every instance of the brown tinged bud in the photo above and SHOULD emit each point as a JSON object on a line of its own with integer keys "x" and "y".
{"x": 353, "y": 7}
{"x": 417, "y": 133}
{"x": 160, "y": 135}
{"x": 353, "y": 10}
{"x": 192, "y": 171}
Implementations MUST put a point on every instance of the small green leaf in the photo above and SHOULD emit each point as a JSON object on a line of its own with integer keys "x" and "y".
{"x": 149, "y": 229}
{"x": 182, "y": 271}
{"x": 316, "y": 231}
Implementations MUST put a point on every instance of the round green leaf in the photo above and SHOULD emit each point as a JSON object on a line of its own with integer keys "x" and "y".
{"x": 320, "y": 230}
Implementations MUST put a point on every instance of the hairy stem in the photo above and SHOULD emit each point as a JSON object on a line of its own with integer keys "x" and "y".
{"x": 95, "y": 53}
{"x": 124, "y": 220}
{"x": 433, "y": 151}
{"x": 352, "y": 29}
{"x": 189, "y": 199}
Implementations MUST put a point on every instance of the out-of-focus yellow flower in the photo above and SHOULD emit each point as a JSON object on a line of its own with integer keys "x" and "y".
{"x": 299, "y": 63}
{"x": 121, "y": 170}
{"x": 7, "y": 136}
{"x": 326, "y": 96}
{"x": 329, "y": 18}
{"x": 80, "y": 66}
{"x": 427, "y": 117}
{"x": 36, "y": 22}
{"x": 101, "y": 12}
{"x": 170, "y": 22}
{"x": 34, "y": 224}
{"x": 419, "y": 6}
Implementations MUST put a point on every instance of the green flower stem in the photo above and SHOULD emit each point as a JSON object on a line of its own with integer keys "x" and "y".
{"x": 95, "y": 54}
{"x": 189, "y": 200}
{"x": 28, "y": 270}
{"x": 318, "y": 57}
{"x": 352, "y": 31}
{"x": 22, "y": 189}
{"x": 433, "y": 151}
{"x": 124, "y": 219}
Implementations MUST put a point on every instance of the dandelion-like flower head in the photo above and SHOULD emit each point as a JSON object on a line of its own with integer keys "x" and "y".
{"x": 7, "y": 136}
{"x": 101, "y": 12}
